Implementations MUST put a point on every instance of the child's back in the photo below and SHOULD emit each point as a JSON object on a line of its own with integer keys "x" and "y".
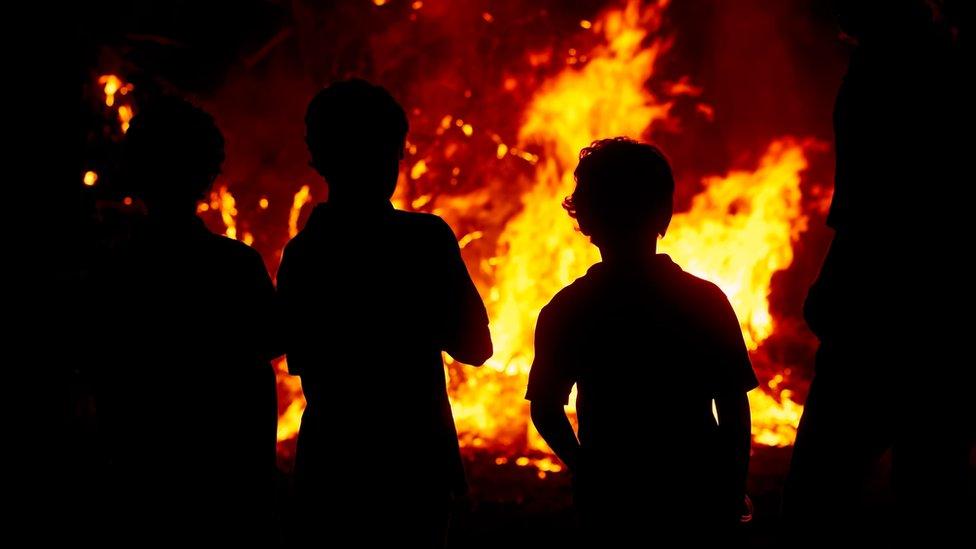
{"x": 370, "y": 297}
{"x": 648, "y": 351}
{"x": 649, "y": 348}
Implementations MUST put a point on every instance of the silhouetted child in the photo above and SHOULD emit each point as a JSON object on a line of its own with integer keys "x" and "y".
{"x": 649, "y": 348}
{"x": 185, "y": 391}
{"x": 371, "y": 296}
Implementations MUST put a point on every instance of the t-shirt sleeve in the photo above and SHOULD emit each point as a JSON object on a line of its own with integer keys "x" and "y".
{"x": 730, "y": 358}
{"x": 553, "y": 373}
{"x": 464, "y": 320}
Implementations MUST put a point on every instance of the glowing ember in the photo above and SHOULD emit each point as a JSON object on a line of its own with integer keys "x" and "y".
{"x": 418, "y": 170}
{"x": 90, "y": 178}
{"x": 125, "y": 115}
{"x": 112, "y": 84}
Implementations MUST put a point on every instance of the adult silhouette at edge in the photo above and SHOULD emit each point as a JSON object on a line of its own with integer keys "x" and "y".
{"x": 370, "y": 297}
{"x": 185, "y": 393}
{"x": 893, "y": 371}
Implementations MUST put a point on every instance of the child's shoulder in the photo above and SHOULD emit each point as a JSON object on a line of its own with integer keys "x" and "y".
{"x": 699, "y": 287}
{"x": 700, "y": 294}
{"x": 421, "y": 221}
{"x": 573, "y": 296}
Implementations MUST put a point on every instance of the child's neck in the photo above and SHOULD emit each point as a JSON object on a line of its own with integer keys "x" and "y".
{"x": 630, "y": 254}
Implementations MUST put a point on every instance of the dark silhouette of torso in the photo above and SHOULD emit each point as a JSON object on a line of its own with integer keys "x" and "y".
{"x": 186, "y": 393}
{"x": 887, "y": 303}
{"x": 648, "y": 348}
{"x": 371, "y": 297}
{"x": 898, "y": 194}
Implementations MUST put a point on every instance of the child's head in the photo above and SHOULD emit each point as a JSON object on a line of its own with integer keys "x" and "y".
{"x": 173, "y": 153}
{"x": 624, "y": 192}
{"x": 356, "y": 132}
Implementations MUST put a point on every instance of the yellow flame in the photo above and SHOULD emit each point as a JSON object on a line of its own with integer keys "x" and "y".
{"x": 740, "y": 230}
{"x": 224, "y": 201}
{"x": 774, "y": 420}
{"x": 290, "y": 420}
{"x": 540, "y": 252}
{"x": 302, "y": 197}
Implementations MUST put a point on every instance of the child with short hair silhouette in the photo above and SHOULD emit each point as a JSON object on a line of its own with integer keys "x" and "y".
{"x": 185, "y": 401}
{"x": 649, "y": 348}
{"x": 370, "y": 297}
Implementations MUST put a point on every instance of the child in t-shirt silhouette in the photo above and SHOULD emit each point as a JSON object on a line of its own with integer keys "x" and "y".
{"x": 650, "y": 348}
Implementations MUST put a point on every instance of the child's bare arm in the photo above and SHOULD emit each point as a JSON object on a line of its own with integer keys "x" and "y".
{"x": 550, "y": 420}
{"x": 734, "y": 421}
{"x": 466, "y": 335}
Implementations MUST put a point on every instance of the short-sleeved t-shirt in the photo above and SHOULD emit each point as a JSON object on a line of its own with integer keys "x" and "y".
{"x": 648, "y": 350}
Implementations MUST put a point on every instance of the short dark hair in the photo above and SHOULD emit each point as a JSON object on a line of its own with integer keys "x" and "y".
{"x": 622, "y": 186}
{"x": 354, "y": 130}
{"x": 173, "y": 151}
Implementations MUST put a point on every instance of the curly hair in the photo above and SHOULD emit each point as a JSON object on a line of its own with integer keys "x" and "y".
{"x": 621, "y": 186}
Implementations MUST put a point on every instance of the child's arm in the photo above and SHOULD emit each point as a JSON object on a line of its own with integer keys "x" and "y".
{"x": 550, "y": 381}
{"x": 734, "y": 378}
{"x": 288, "y": 335}
{"x": 734, "y": 426}
{"x": 550, "y": 420}
{"x": 466, "y": 336}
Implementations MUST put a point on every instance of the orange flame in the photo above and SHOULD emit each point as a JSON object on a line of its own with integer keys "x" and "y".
{"x": 539, "y": 252}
